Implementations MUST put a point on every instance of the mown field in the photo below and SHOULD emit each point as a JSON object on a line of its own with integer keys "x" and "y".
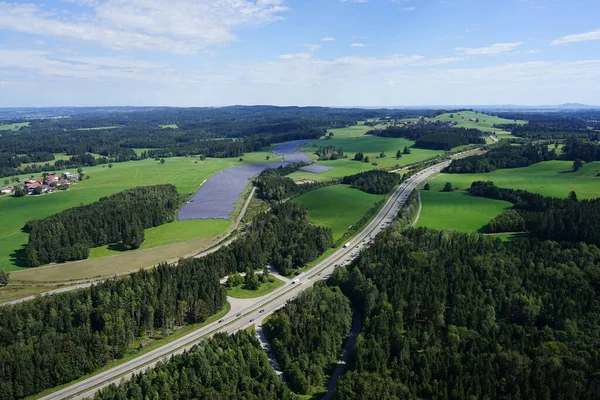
{"x": 486, "y": 122}
{"x": 337, "y": 207}
{"x": 458, "y": 211}
{"x": 550, "y": 178}
{"x": 13, "y": 127}
{"x": 353, "y": 140}
{"x": 185, "y": 173}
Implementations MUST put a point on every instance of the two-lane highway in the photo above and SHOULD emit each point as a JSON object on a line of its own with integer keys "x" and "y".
{"x": 263, "y": 306}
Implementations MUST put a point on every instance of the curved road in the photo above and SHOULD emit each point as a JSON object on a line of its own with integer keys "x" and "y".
{"x": 263, "y": 306}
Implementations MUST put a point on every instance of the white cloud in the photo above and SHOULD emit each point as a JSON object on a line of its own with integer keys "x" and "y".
{"x": 580, "y": 37}
{"x": 496, "y": 48}
{"x": 312, "y": 47}
{"x": 178, "y": 26}
{"x": 327, "y": 39}
{"x": 357, "y": 45}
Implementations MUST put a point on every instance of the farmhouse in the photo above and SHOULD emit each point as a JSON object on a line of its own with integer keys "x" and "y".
{"x": 7, "y": 189}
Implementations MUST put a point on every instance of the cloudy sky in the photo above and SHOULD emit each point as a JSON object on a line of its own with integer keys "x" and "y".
{"x": 299, "y": 52}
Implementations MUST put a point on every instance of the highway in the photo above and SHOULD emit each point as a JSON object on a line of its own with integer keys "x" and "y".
{"x": 263, "y": 306}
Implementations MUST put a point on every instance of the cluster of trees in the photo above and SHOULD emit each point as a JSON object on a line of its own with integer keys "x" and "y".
{"x": 224, "y": 367}
{"x": 507, "y": 221}
{"x": 307, "y": 335}
{"x": 55, "y": 339}
{"x": 282, "y": 237}
{"x": 549, "y": 218}
{"x": 373, "y": 181}
{"x": 449, "y": 315}
{"x": 584, "y": 150}
{"x": 121, "y": 217}
{"x": 502, "y": 155}
{"x": 431, "y": 136}
{"x": 330, "y": 153}
{"x": 272, "y": 185}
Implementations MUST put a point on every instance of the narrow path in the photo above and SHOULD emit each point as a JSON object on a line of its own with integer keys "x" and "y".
{"x": 264, "y": 343}
{"x": 341, "y": 365}
{"x": 419, "y": 210}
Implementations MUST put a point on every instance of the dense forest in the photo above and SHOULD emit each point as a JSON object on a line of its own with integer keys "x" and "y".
{"x": 373, "y": 181}
{"x": 502, "y": 155}
{"x": 221, "y": 368}
{"x": 585, "y": 150}
{"x": 121, "y": 217}
{"x": 272, "y": 185}
{"x": 450, "y": 315}
{"x": 53, "y": 340}
{"x": 549, "y": 218}
{"x": 431, "y": 136}
{"x": 307, "y": 335}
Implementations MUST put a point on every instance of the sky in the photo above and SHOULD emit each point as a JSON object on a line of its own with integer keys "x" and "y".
{"x": 299, "y": 52}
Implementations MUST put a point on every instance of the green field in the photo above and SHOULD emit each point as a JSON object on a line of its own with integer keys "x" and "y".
{"x": 171, "y": 126}
{"x": 184, "y": 172}
{"x": 239, "y": 292}
{"x": 550, "y": 178}
{"x": 458, "y": 211}
{"x": 486, "y": 122}
{"x": 353, "y": 140}
{"x": 337, "y": 207}
{"x": 13, "y": 127}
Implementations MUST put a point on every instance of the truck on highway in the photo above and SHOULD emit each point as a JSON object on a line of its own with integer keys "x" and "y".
{"x": 347, "y": 245}
{"x": 295, "y": 281}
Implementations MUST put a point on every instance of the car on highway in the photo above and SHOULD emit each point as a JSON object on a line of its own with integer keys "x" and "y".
{"x": 295, "y": 281}
{"x": 251, "y": 320}
{"x": 238, "y": 314}
{"x": 220, "y": 320}
{"x": 262, "y": 311}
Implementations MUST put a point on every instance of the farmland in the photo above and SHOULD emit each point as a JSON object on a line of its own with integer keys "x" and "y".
{"x": 185, "y": 173}
{"x": 550, "y": 178}
{"x": 337, "y": 207}
{"x": 13, "y": 127}
{"x": 353, "y": 140}
{"x": 458, "y": 211}
{"x": 485, "y": 122}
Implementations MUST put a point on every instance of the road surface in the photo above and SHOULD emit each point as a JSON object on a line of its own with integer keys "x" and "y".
{"x": 263, "y": 306}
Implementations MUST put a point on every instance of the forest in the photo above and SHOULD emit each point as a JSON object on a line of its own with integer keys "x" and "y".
{"x": 52, "y": 340}
{"x": 585, "y": 150}
{"x": 272, "y": 185}
{"x": 549, "y": 218}
{"x": 307, "y": 335}
{"x": 450, "y": 315}
{"x": 121, "y": 217}
{"x": 432, "y": 136}
{"x": 224, "y": 367}
{"x": 502, "y": 155}
{"x": 373, "y": 181}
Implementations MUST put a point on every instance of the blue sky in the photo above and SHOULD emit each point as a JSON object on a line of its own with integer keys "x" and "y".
{"x": 292, "y": 52}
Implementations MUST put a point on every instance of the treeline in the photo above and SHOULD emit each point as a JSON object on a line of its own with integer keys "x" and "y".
{"x": 53, "y": 340}
{"x": 585, "y": 150}
{"x": 223, "y": 367}
{"x": 450, "y": 315}
{"x": 502, "y": 155}
{"x": 549, "y": 218}
{"x": 272, "y": 185}
{"x": 373, "y": 181}
{"x": 121, "y": 217}
{"x": 75, "y": 161}
{"x": 307, "y": 335}
{"x": 432, "y": 137}
{"x": 507, "y": 221}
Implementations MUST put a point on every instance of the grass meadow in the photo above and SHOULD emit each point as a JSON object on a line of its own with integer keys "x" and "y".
{"x": 458, "y": 211}
{"x": 13, "y": 127}
{"x": 337, "y": 207}
{"x": 550, "y": 178}
{"x": 239, "y": 292}
{"x": 186, "y": 173}
{"x": 486, "y": 122}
